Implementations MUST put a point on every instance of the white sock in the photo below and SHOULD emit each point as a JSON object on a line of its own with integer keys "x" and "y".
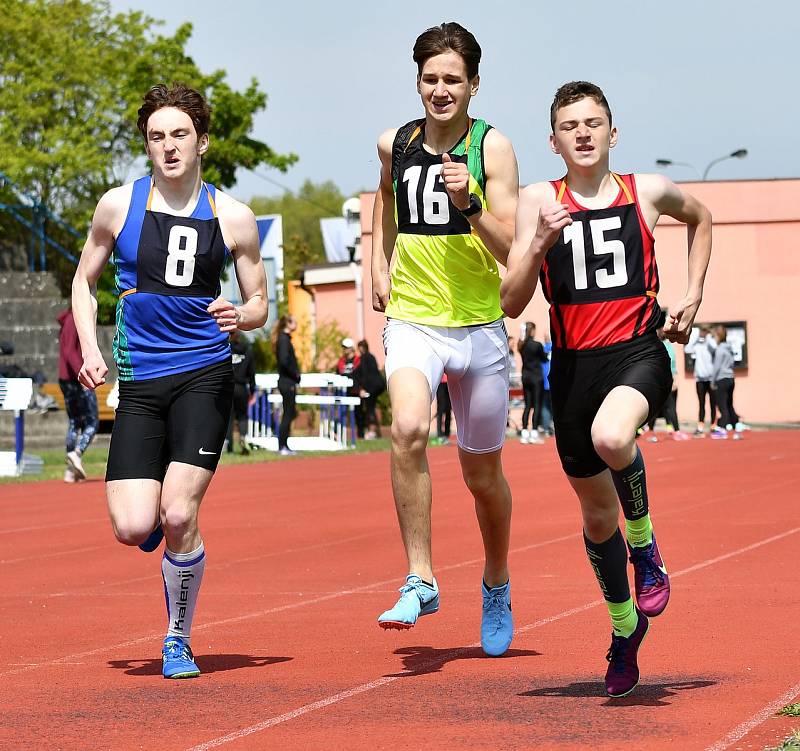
{"x": 183, "y": 574}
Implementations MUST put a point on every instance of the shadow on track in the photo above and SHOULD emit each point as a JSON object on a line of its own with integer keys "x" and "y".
{"x": 644, "y": 695}
{"x": 206, "y": 663}
{"x": 424, "y": 660}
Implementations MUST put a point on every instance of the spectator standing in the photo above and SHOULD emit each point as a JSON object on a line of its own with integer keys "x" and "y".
{"x": 670, "y": 409}
{"x": 244, "y": 388}
{"x": 80, "y": 402}
{"x": 372, "y": 385}
{"x": 547, "y": 403}
{"x": 288, "y": 378}
{"x": 348, "y": 366}
{"x": 702, "y": 351}
{"x": 533, "y": 356}
{"x": 723, "y": 383}
{"x": 444, "y": 412}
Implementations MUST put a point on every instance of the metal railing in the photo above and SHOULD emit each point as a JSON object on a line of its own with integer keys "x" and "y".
{"x": 36, "y": 223}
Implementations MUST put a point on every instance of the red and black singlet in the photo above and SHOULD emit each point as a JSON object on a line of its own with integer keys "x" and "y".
{"x": 600, "y": 277}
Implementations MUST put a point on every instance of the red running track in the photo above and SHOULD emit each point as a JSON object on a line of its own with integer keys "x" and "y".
{"x": 304, "y": 554}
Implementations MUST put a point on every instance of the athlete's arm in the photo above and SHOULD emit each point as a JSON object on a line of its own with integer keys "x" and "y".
{"x": 538, "y": 224}
{"x": 108, "y": 218}
{"x": 384, "y": 227}
{"x": 666, "y": 198}
{"x": 495, "y": 226}
{"x": 240, "y": 226}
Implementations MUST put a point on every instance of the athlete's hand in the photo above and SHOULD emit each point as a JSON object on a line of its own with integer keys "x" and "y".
{"x": 678, "y": 326}
{"x": 455, "y": 177}
{"x": 381, "y": 289}
{"x": 226, "y": 314}
{"x": 553, "y": 217}
{"x": 93, "y": 372}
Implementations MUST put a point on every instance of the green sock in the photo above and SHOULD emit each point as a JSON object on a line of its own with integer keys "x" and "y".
{"x": 623, "y": 617}
{"x": 639, "y": 532}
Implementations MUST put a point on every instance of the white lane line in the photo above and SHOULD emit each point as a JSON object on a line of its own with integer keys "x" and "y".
{"x": 39, "y": 557}
{"x": 740, "y": 731}
{"x": 262, "y": 613}
{"x": 293, "y": 714}
{"x": 92, "y": 588}
{"x": 725, "y": 556}
{"x": 672, "y": 511}
{"x": 77, "y": 523}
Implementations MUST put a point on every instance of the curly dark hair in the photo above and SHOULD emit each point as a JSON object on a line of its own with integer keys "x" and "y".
{"x": 181, "y": 97}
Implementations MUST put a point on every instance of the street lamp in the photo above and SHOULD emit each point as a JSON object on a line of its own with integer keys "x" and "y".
{"x": 671, "y": 163}
{"x": 738, "y": 154}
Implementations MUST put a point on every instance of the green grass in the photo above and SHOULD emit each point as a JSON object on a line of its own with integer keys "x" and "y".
{"x": 94, "y": 461}
{"x": 792, "y": 743}
{"x": 791, "y": 710}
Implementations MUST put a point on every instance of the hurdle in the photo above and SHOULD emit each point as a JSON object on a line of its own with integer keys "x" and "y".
{"x": 15, "y": 394}
{"x": 337, "y": 413}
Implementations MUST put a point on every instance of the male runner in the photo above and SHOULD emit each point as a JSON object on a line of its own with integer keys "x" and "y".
{"x": 444, "y": 218}
{"x": 589, "y": 237}
{"x": 169, "y": 234}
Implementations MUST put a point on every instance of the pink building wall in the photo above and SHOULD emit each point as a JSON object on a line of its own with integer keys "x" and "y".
{"x": 753, "y": 276}
{"x": 337, "y": 302}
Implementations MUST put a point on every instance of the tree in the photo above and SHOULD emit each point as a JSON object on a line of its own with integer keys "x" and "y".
{"x": 301, "y": 213}
{"x": 72, "y": 76}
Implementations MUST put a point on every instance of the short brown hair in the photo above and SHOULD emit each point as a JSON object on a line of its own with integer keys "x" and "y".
{"x": 573, "y": 92}
{"x": 448, "y": 37}
{"x": 180, "y": 97}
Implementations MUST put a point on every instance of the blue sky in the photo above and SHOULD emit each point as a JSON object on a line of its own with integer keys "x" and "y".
{"x": 687, "y": 81}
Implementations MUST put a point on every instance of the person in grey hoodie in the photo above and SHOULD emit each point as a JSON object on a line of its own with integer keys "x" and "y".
{"x": 723, "y": 383}
{"x": 702, "y": 351}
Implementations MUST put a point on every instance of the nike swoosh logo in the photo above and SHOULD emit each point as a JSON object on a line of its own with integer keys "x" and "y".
{"x": 206, "y": 453}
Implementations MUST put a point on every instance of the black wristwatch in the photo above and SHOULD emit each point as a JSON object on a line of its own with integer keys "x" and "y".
{"x": 474, "y": 207}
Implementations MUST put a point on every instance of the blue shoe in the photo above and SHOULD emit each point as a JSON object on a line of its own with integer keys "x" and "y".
{"x": 154, "y": 540}
{"x": 416, "y": 599}
{"x": 178, "y": 660}
{"x": 497, "y": 623}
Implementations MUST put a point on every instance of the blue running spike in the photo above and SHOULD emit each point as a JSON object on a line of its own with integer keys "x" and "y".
{"x": 497, "y": 623}
{"x": 178, "y": 660}
{"x": 416, "y": 598}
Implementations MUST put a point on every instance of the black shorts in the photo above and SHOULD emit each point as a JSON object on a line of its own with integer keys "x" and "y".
{"x": 580, "y": 382}
{"x": 182, "y": 418}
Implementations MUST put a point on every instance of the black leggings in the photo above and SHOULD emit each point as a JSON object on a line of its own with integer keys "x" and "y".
{"x": 703, "y": 388}
{"x": 443, "y": 411}
{"x": 288, "y": 391}
{"x": 533, "y": 392}
{"x": 727, "y": 413}
{"x": 241, "y": 397}
{"x": 669, "y": 412}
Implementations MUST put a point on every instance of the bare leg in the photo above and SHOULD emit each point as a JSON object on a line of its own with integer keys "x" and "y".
{"x": 615, "y": 424}
{"x": 183, "y": 491}
{"x": 483, "y": 474}
{"x": 599, "y": 505}
{"x": 411, "y": 481}
{"x": 133, "y": 506}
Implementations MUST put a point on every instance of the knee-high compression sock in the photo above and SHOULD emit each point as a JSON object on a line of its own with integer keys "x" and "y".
{"x": 609, "y": 560}
{"x": 183, "y": 574}
{"x": 631, "y": 485}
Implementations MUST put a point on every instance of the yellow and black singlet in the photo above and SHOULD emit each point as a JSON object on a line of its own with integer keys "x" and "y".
{"x": 443, "y": 274}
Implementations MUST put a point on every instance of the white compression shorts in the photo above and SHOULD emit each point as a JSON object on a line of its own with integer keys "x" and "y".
{"x": 475, "y": 359}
